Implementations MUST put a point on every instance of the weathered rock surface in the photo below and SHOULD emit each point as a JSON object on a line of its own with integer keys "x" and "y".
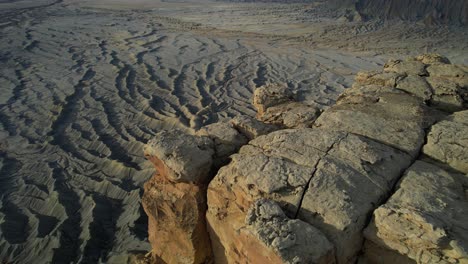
{"x": 176, "y": 221}
{"x": 275, "y": 104}
{"x": 430, "y": 77}
{"x": 270, "y": 95}
{"x": 227, "y": 140}
{"x": 409, "y": 67}
{"x": 426, "y": 219}
{"x": 252, "y": 128}
{"x": 282, "y": 165}
{"x": 294, "y": 241}
{"x": 181, "y": 157}
{"x": 447, "y": 141}
{"x": 291, "y": 115}
{"x": 305, "y": 195}
{"x": 395, "y": 119}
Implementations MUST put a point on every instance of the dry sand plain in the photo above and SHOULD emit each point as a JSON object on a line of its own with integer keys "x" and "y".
{"x": 84, "y": 84}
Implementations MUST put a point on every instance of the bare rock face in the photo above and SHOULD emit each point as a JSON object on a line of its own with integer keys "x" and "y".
{"x": 227, "y": 141}
{"x": 409, "y": 67}
{"x": 176, "y": 221}
{"x": 311, "y": 169}
{"x": 291, "y": 115}
{"x": 276, "y": 105}
{"x": 306, "y": 195}
{"x": 395, "y": 119}
{"x": 292, "y": 240}
{"x": 175, "y": 198}
{"x": 447, "y": 141}
{"x": 388, "y": 79}
{"x": 271, "y": 95}
{"x": 426, "y": 219}
{"x": 430, "y": 77}
{"x": 181, "y": 157}
{"x": 432, "y": 58}
{"x": 252, "y": 128}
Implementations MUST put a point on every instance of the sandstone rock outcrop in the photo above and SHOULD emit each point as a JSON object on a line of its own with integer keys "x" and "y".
{"x": 447, "y": 141}
{"x": 180, "y": 157}
{"x": 293, "y": 240}
{"x": 430, "y": 77}
{"x": 226, "y": 139}
{"x": 306, "y": 194}
{"x": 176, "y": 221}
{"x": 252, "y": 128}
{"x": 276, "y": 104}
{"x": 426, "y": 219}
{"x": 175, "y": 198}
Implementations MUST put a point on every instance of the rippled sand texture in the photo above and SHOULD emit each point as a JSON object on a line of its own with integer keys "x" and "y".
{"x": 82, "y": 88}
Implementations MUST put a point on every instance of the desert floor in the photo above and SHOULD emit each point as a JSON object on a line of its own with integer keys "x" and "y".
{"x": 84, "y": 84}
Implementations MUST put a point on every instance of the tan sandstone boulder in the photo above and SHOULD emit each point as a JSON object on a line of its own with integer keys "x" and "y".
{"x": 425, "y": 219}
{"x": 447, "y": 141}
{"x": 270, "y": 95}
{"x": 227, "y": 140}
{"x": 285, "y": 240}
{"x": 275, "y": 104}
{"x": 176, "y": 221}
{"x": 181, "y": 157}
{"x": 408, "y": 67}
{"x": 252, "y": 128}
{"x": 392, "y": 118}
{"x": 316, "y": 170}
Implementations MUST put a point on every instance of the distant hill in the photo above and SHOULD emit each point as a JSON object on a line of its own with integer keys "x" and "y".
{"x": 453, "y": 12}
{"x": 428, "y": 11}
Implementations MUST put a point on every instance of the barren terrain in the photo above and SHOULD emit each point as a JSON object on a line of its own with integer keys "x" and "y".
{"x": 85, "y": 84}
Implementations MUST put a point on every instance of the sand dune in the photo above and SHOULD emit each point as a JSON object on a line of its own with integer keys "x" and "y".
{"x": 83, "y": 85}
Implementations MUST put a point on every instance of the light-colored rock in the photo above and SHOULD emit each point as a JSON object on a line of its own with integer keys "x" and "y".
{"x": 395, "y": 119}
{"x": 227, "y": 141}
{"x": 290, "y": 115}
{"x": 356, "y": 175}
{"x": 280, "y": 165}
{"x": 415, "y": 85}
{"x": 176, "y": 221}
{"x": 373, "y": 253}
{"x": 276, "y": 166}
{"x": 368, "y": 90}
{"x": 406, "y": 67}
{"x": 252, "y": 128}
{"x": 448, "y": 71}
{"x": 447, "y": 141}
{"x": 446, "y": 94}
{"x": 431, "y": 58}
{"x": 293, "y": 240}
{"x": 181, "y": 157}
{"x": 427, "y": 217}
{"x": 388, "y": 79}
{"x": 271, "y": 95}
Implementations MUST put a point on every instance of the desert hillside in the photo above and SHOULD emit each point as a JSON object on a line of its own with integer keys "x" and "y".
{"x": 86, "y": 84}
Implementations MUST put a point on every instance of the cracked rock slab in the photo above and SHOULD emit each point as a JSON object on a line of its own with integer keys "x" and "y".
{"x": 281, "y": 166}
{"x": 426, "y": 218}
{"x": 395, "y": 119}
{"x": 354, "y": 177}
{"x": 227, "y": 141}
{"x": 181, "y": 157}
{"x": 252, "y": 128}
{"x": 408, "y": 67}
{"x": 270, "y": 95}
{"x": 293, "y": 240}
{"x": 447, "y": 141}
{"x": 290, "y": 115}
